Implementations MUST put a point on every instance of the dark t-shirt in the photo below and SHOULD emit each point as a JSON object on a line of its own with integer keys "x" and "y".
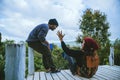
{"x": 81, "y": 61}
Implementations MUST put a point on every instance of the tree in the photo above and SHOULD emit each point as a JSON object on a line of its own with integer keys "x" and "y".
{"x": 0, "y": 37}
{"x": 117, "y": 52}
{"x": 94, "y": 24}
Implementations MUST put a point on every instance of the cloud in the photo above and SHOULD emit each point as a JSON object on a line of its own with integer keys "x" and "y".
{"x": 18, "y": 18}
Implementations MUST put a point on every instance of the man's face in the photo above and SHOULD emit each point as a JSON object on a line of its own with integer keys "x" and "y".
{"x": 52, "y": 27}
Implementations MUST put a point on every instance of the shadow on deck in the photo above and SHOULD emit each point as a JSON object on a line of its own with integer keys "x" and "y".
{"x": 104, "y": 72}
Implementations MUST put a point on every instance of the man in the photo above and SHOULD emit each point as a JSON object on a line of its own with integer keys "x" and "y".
{"x": 37, "y": 41}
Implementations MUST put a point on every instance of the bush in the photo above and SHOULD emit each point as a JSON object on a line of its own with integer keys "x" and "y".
{"x": 117, "y": 52}
{"x": 2, "y": 61}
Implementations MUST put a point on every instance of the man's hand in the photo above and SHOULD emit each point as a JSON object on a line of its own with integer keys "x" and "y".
{"x": 60, "y": 35}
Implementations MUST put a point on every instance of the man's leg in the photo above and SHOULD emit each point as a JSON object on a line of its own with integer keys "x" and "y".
{"x": 68, "y": 58}
{"x": 71, "y": 61}
{"x": 47, "y": 58}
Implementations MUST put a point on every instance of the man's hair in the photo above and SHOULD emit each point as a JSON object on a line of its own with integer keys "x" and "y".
{"x": 53, "y": 22}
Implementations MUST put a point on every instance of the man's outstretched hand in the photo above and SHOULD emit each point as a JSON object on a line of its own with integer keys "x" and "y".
{"x": 60, "y": 35}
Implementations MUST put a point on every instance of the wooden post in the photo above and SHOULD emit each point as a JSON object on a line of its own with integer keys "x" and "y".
{"x": 30, "y": 61}
{"x": 15, "y": 61}
{"x": 111, "y": 56}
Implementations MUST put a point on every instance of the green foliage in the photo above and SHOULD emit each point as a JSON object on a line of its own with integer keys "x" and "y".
{"x": 2, "y": 61}
{"x": 38, "y": 62}
{"x": 2, "y": 57}
{"x": 117, "y": 52}
{"x": 9, "y": 41}
{"x": 59, "y": 61}
{"x": 94, "y": 24}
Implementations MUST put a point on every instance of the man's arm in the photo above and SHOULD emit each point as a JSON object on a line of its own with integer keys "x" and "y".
{"x": 42, "y": 34}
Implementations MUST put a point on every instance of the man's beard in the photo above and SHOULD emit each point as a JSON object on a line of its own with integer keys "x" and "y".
{"x": 52, "y": 29}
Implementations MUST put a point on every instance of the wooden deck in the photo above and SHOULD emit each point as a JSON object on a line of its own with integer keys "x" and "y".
{"x": 105, "y": 72}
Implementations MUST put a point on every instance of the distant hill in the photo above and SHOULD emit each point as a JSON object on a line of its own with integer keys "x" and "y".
{"x": 70, "y": 43}
{"x": 74, "y": 43}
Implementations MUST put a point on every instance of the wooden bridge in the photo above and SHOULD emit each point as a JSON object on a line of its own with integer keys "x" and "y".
{"x": 15, "y": 67}
{"x": 104, "y": 72}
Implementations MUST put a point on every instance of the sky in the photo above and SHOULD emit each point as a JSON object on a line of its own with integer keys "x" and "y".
{"x": 19, "y": 17}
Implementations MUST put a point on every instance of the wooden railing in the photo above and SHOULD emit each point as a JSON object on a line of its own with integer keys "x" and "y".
{"x": 15, "y": 61}
{"x": 15, "y": 55}
{"x": 30, "y": 61}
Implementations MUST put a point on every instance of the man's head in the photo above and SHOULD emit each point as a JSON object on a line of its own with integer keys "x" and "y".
{"x": 53, "y": 24}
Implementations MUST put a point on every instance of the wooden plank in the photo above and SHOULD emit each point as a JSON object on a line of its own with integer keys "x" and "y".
{"x": 110, "y": 73}
{"x": 74, "y": 76}
{"x": 100, "y": 73}
{"x": 102, "y": 76}
{"x": 69, "y": 77}
{"x": 36, "y": 76}
{"x": 30, "y": 77}
{"x": 55, "y": 76}
{"x": 48, "y": 76}
{"x": 42, "y": 76}
{"x": 115, "y": 68}
{"x": 97, "y": 77}
{"x": 104, "y": 73}
{"x": 60, "y": 75}
{"x": 93, "y": 78}
{"x": 111, "y": 70}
